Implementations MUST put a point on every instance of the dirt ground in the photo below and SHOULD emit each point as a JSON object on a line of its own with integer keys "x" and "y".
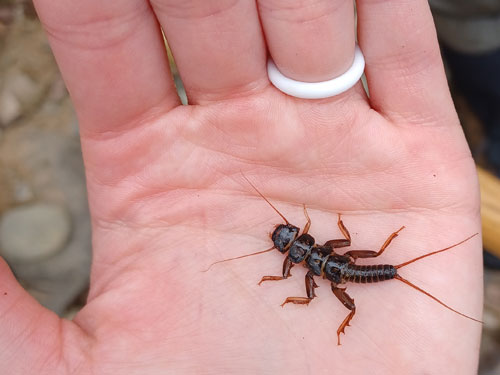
{"x": 42, "y": 176}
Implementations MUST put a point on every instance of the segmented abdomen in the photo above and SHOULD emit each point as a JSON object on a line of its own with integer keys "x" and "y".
{"x": 368, "y": 274}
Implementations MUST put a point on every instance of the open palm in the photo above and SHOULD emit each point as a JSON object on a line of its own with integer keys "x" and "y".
{"x": 168, "y": 198}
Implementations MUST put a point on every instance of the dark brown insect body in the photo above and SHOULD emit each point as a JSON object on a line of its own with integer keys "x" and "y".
{"x": 340, "y": 269}
{"x": 323, "y": 261}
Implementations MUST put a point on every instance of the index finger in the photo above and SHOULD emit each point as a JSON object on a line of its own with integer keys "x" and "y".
{"x": 113, "y": 60}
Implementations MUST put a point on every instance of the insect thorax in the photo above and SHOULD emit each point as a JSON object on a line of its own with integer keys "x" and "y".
{"x": 301, "y": 248}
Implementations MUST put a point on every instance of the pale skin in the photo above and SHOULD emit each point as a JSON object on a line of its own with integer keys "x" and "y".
{"x": 167, "y": 197}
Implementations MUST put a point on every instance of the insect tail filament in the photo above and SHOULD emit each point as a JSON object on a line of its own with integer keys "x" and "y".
{"x": 434, "y": 252}
{"x": 398, "y": 277}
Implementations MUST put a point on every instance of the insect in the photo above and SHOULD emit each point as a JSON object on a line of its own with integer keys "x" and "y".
{"x": 339, "y": 269}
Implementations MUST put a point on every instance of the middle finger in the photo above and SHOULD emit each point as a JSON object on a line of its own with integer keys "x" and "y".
{"x": 218, "y": 46}
{"x": 309, "y": 40}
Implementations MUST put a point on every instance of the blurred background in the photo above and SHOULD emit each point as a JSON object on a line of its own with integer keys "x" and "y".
{"x": 44, "y": 219}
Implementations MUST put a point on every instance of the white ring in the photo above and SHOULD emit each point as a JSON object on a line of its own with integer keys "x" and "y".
{"x": 318, "y": 90}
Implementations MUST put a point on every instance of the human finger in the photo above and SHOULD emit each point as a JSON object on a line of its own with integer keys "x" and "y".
{"x": 404, "y": 69}
{"x": 113, "y": 60}
{"x": 217, "y": 45}
{"x": 29, "y": 333}
{"x": 310, "y": 40}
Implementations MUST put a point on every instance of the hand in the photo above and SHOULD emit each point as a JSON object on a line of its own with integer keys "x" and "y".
{"x": 167, "y": 197}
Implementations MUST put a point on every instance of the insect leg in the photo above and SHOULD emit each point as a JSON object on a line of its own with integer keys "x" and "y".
{"x": 287, "y": 266}
{"x": 348, "y": 302}
{"x": 355, "y": 254}
{"x": 308, "y": 224}
{"x": 310, "y": 285}
{"x": 342, "y": 242}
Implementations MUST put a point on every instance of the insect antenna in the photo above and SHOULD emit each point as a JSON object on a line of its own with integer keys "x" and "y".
{"x": 434, "y": 252}
{"x": 258, "y": 252}
{"x": 241, "y": 256}
{"x": 398, "y": 277}
{"x": 262, "y": 195}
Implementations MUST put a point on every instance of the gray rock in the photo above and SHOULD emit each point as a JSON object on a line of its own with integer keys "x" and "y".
{"x": 10, "y": 108}
{"x": 40, "y": 161}
{"x": 22, "y": 192}
{"x": 33, "y": 232}
{"x": 19, "y": 93}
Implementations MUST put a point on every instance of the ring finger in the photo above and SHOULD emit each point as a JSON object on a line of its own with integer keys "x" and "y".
{"x": 309, "y": 40}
